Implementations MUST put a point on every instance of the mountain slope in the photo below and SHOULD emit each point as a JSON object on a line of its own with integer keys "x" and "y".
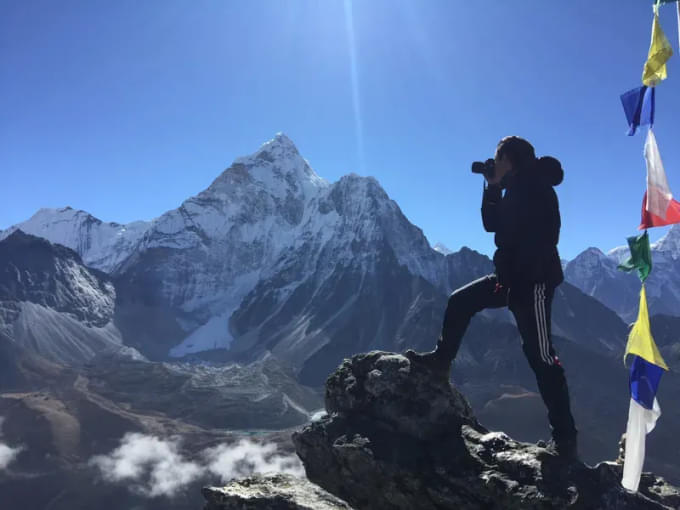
{"x": 52, "y": 305}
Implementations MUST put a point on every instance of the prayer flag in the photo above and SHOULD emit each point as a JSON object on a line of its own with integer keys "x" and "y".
{"x": 659, "y": 52}
{"x": 644, "y": 410}
{"x": 640, "y": 340}
{"x": 640, "y": 256}
{"x": 638, "y": 105}
{"x": 659, "y": 208}
{"x": 650, "y": 220}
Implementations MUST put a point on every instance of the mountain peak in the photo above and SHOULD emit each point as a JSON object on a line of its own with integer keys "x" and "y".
{"x": 670, "y": 243}
{"x": 278, "y": 147}
{"x": 282, "y": 139}
{"x": 441, "y": 248}
{"x": 276, "y": 166}
{"x": 592, "y": 256}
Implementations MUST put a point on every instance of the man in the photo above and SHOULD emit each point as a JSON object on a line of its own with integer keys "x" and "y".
{"x": 526, "y": 222}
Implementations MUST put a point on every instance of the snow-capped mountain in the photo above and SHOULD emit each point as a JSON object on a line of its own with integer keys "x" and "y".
{"x": 101, "y": 245}
{"x": 53, "y": 306}
{"x": 597, "y": 275}
{"x": 265, "y": 233}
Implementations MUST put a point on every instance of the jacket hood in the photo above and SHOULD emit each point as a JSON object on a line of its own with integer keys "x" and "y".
{"x": 550, "y": 169}
{"x": 546, "y": 171}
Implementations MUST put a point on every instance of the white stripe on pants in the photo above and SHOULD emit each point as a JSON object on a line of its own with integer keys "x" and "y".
{"x": 541, "y": 324}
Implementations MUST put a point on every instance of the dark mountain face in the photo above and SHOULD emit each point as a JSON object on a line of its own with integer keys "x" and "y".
{"x": 587, "y": 322}
{"x": 51, "y": 304}
{"x": 35, "y": 270}
{"x": 666, "y": 333}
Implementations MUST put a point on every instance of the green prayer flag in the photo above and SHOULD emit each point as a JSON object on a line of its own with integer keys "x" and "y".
{"x": 640, "y": 256}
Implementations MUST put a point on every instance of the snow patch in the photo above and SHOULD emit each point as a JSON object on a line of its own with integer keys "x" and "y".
{"x": 214, "y": 334}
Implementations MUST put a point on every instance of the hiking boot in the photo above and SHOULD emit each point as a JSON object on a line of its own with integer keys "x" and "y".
{"x": 435, "y": 361}
{"x": 564, "y": 448}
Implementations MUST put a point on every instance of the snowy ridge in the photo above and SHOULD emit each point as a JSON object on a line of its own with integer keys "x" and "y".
{"x": 101, "y": 245}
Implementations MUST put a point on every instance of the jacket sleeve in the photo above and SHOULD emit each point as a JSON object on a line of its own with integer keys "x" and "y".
{"x": 490, "y": 208}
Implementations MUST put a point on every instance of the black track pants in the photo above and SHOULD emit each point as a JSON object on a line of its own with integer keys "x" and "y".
{"x": 531, "y": 308}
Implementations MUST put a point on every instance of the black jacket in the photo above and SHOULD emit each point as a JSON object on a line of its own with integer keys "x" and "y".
{"x": 526, "y": 220}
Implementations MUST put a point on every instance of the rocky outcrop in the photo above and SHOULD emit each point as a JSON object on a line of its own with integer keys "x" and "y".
{"x": 274, "y": 492}
{"x": 396, "y": 437}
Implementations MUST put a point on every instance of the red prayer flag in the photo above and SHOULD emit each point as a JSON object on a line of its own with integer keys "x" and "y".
{"x": 650, "y": 219}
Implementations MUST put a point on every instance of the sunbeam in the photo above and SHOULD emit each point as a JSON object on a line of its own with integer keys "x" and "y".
{"x": 355, "y": 83}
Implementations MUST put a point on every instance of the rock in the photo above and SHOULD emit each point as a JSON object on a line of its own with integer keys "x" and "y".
{"x": 272, "y": 492}
{"x": 397, "y": 437}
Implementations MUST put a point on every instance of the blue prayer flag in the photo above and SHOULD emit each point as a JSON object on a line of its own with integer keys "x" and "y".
{"x": 638, "y": 105}
{"x": 644, "y": 381}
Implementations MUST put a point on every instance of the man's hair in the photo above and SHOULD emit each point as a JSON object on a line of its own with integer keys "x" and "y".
{"x": 519, "y": 151}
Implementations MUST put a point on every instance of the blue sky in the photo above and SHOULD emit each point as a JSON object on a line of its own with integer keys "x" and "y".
{"x": 125, "y": 109}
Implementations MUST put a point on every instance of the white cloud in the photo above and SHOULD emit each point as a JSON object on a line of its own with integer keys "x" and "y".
{"x": 248, "y": 457}
{"x": 7, "y": 455}
{"x": 155, "y": 467}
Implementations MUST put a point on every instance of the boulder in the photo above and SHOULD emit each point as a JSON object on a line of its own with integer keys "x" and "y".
{"x": 396, "y": 436}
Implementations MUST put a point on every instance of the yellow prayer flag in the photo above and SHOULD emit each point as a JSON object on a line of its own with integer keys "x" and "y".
{"x": 660, "y": 51}
{"x": 640, "y": 339}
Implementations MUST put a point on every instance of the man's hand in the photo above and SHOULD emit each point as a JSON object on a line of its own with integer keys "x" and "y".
{"x": 502, "y": 167}
{"x": 495, "y": 180}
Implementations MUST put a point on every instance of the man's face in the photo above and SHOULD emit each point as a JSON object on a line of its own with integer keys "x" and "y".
{"x": 503, "y": 165}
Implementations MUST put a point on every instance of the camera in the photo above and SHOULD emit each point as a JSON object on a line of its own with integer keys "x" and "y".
{"x": 488, "y": 168}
